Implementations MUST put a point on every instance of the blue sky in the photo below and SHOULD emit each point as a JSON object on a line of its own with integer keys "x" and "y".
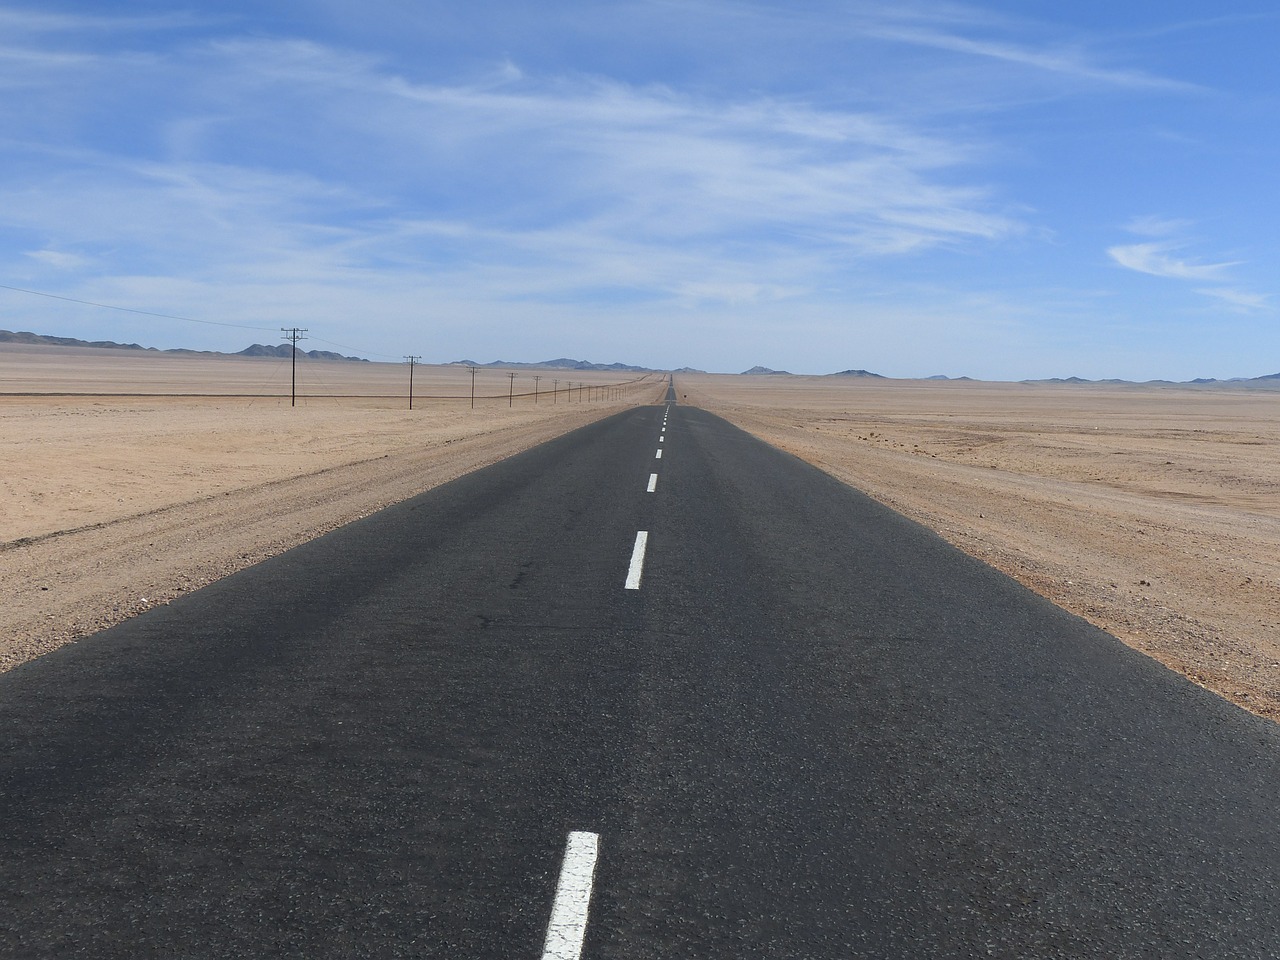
{"x": 999, "y": 190}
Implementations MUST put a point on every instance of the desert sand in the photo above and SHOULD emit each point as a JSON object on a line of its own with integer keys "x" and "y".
{"x": 1151, "y": 511}
{"x": 129, "y": 478}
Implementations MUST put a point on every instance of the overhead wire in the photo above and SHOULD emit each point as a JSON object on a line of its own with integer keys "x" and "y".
{"x": 145, "y": 313}
{"x": 171, "y": 316}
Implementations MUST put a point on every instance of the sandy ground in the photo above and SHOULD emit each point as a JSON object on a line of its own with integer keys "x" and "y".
{"x": 1153, "y": 512}
{"x": 127, "y": 479}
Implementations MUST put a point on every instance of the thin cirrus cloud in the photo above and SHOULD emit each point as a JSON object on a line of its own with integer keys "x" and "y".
{"x": 1160, "y": 257}
{"x": 1157, "y": 260}
{"x": 1065, "y": 62}
{"x": 671, "y": 166}
{"x": 575, "y": 175}
{"x": 1242, "y": 299}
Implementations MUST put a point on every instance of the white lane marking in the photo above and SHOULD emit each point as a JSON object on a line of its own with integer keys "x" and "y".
{"x": 568, "y": 924}
{"x": 658, "y": 455}
{"x": 637, "y": 560}
{"x": 660, "y": 439}
{"x": 653, "y": 482}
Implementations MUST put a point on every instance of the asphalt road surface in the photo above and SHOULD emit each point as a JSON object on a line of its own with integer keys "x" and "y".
{"x": 683, "y": 692}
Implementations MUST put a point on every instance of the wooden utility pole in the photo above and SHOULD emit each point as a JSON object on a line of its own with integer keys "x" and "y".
{"x": 511, "y": 389}
{"x": 535, "y": 390}
{"x": 293, "y": 335}
{"x": 412, "y": 361}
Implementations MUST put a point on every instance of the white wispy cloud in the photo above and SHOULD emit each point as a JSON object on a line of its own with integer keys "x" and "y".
{"x": 1162, "y": 258}
{"x": 591, "y": 183}
{"x": 1153, "y": 226}
{"x": 1243, "y": 299}
{"x": 1067, "y": 62}
{"x": 15, "y": 20}
{"x": 59, "y": 259}
{"x": 1157, "y": 259}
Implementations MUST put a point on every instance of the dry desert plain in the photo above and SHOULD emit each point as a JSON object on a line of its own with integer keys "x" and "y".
{"x": 129, "y": 478}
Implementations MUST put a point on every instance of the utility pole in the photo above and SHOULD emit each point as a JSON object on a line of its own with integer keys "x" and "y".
{"x": 511, "y": 388}
{"x": 555, "y": 391}
{"x": 293, "y": 335}
{"x": 411, "y": 360}
{"x": 535, "y": 390}
{"x": 473, "y": 386}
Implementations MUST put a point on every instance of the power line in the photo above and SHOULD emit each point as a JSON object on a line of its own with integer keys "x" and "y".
{"x": 145, "y": 313}
{"x": 172, "y": 316}
{"x": 347, "y": 346}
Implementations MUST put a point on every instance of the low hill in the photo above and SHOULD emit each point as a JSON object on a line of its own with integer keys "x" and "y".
{"x": 255, "y": 350}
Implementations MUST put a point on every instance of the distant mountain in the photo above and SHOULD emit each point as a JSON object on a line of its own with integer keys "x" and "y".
{"x": 22, "y": 336}
{"x": 858, "y": 373}
{"x": 257, "y": 350}
{"x": 758, "y": 371}
{"x": 285, "y": 350}
{"x": 560, "y": 363}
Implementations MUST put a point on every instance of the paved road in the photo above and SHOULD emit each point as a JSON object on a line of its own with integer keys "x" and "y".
{"x": 811, "y": 730}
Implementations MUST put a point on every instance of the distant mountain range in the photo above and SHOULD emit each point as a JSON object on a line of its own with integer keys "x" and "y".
{"x": 565, "y": 363}
{"x": 766, "y": 372}
{"x": 257, "y": 350}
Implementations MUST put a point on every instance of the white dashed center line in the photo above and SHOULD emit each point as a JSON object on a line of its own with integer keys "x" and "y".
{"x": 568, "y": 923}
{"x": 653, "y": 482}
{"x": 637, "y": 560}
{"x": 658, "y": 455}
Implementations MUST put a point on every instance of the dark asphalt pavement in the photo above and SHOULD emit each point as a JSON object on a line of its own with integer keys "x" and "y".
{"x": 814, "y": 731}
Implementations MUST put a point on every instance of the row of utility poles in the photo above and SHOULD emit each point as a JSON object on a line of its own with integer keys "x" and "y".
{"x": 594, "y": 391}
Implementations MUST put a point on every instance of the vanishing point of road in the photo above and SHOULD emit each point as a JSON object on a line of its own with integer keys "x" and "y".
{"x": 650, "y": 690}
